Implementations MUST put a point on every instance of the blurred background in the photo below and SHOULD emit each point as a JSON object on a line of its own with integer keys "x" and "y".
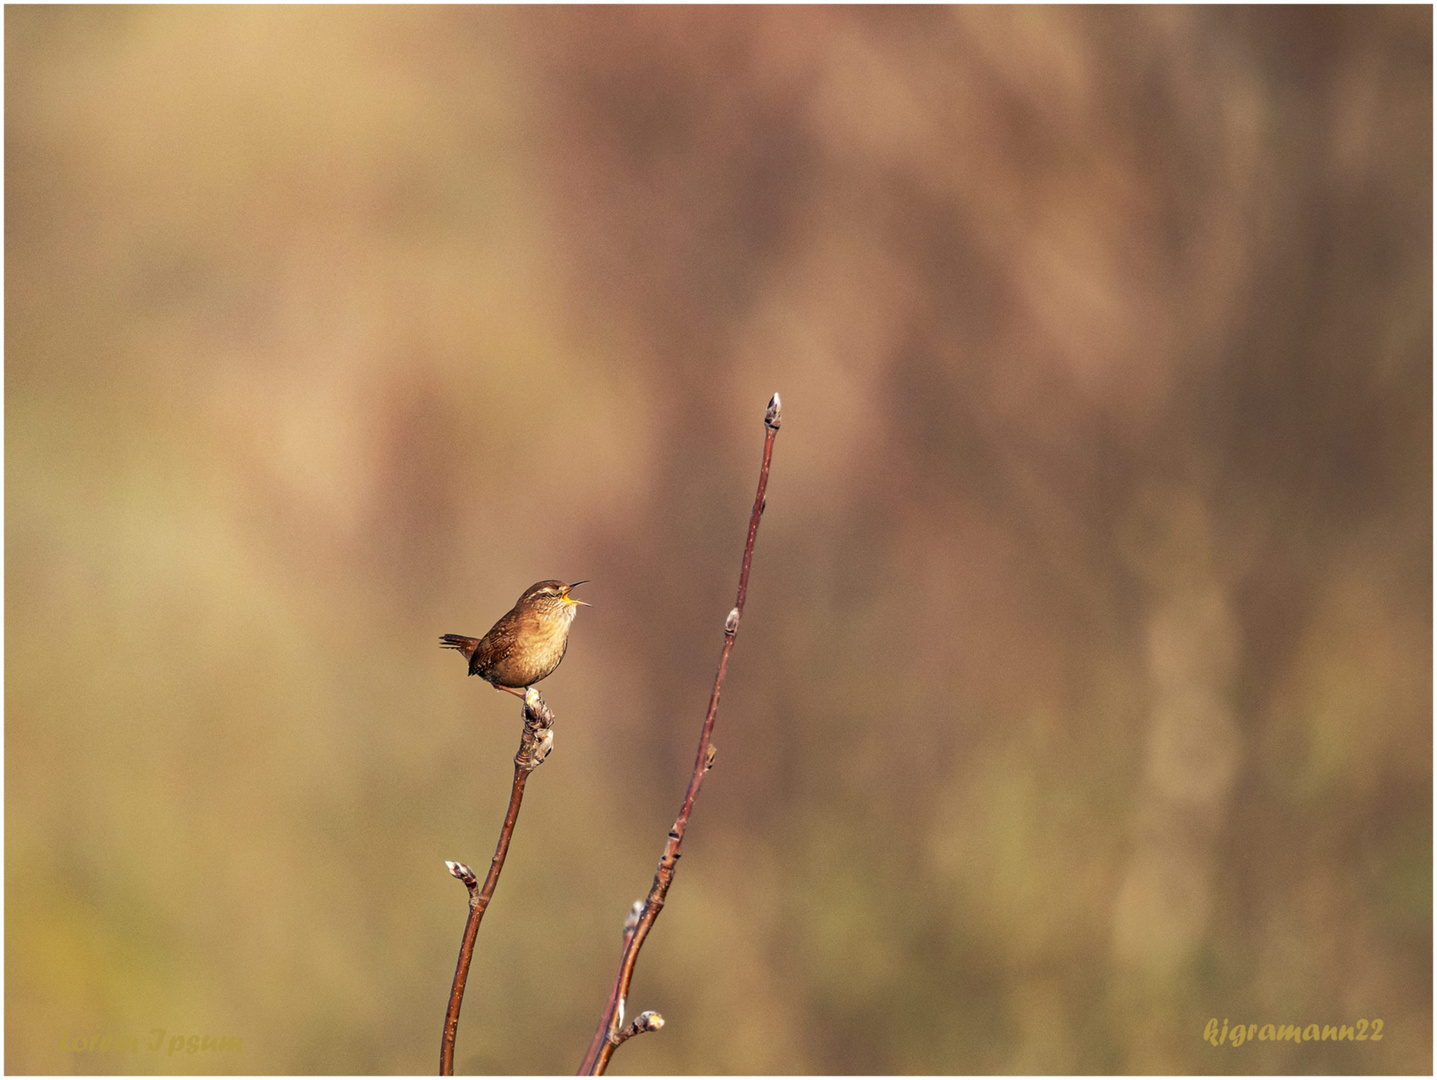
{"x": 1084, "y": 689}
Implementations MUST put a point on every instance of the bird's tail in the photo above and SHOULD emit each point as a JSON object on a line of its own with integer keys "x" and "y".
{"x": 466, "y": 645}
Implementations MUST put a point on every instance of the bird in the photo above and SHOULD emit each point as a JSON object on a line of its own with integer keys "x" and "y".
{"x": 525, "y": 645}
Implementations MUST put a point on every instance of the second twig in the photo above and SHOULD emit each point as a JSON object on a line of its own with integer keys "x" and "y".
{"x": 611, "y": 1032}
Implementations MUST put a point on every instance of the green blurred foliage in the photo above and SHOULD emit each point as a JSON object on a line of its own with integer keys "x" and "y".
{"x": 1084, "y": 691}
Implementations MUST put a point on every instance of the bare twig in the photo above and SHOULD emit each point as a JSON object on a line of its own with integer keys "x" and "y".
{"x": 534, "y": 747}
{"x": 611, "y": 1032}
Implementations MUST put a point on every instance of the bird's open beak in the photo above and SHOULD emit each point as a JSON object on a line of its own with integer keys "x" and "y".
{"x": 570, "y": 600}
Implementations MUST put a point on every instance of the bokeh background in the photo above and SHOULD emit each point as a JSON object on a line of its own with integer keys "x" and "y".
{"x": 1084, "y": 690}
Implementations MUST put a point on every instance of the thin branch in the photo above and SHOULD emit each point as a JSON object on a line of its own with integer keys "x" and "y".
{"x": 534, "y": 747}
{"x": 610, "y": 1032}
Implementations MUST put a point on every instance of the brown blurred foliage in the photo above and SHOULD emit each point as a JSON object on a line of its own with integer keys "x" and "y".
{"x": 1084, "y": 691}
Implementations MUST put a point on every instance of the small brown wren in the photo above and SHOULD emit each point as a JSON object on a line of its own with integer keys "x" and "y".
{"x": 525, "y": 645}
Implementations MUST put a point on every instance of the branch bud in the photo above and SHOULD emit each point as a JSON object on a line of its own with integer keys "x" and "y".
{"x": 730, "y": 626}
{"x": 536, "y": 711}
{"x": 772, "y": 418}
{"x": 462, "y": 872}
{"x": 709, "y": 755}
{"x": 538, "y": 737}
{"x": 635, "y": 913}
{"x": 645, "y": 1021}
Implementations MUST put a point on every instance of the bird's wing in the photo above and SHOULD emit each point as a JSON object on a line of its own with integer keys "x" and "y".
{"x": 497, "y": 645}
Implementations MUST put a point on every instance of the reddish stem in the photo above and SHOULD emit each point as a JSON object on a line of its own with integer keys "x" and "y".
{"x": 532, "y": 749}
{"x": 607, "y": 1036}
